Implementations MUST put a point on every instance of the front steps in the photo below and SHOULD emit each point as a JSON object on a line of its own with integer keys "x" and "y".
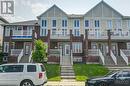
{"x": 109, "y": 61}
{"x": 67, "y": 72}
{"x": 24, "y": 59}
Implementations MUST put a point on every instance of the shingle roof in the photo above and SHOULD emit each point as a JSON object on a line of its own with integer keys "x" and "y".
{"x": 30, "y": 22}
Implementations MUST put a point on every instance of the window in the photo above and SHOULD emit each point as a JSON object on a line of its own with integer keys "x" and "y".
{"x": 43, "y": 32}
{"x": 77, "y": 47}
{"x": 86, "y": 23}
{"x": 42, "y": 68}
{"x": 76, "y": 23}
{"x": 64, "y": 23}
{"x": 76, "y": 32}
{"x": 31, "y": 68}
{"x": 53, "y": 31}
{"x": 53, "y": 23}
{"x": 13, "y": 68}
{"x": 7, "y": 31}
{"x": 64, "y": 32}
{"x": 97, "y": 23}
{"x": 128, "y": 23}
{"x": 44, "y": 23}
{"x": 128, "y": 45}
{"x": 6, "y": 47}
{"x": 109, "y": 24}
{"x": 118, "y": 24}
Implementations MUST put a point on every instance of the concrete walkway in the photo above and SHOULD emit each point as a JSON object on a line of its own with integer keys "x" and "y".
{"x": 65, "y": 82}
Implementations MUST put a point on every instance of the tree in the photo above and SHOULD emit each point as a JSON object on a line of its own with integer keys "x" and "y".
{"x": 39, "y": 53}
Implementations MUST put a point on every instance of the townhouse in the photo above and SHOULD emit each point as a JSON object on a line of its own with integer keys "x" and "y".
{"x": 101, "y": 35}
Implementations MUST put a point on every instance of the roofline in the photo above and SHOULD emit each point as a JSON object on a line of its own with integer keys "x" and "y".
{"x": 106, "y": 4}
{"x": 49, "y": 9}
{"x": 4, "y": 20}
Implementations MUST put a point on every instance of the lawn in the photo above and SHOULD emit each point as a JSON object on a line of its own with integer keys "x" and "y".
{"x": 53, "y": 72}
{"x": 85, "y": 71}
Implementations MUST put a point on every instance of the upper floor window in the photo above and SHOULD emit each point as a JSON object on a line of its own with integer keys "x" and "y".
{"x": 76, "y": 23}
{"x": 118, "y": 24}
{"x": 76, "y": 32}
{"x": 43, "y": 32}
{"x": 64, "y": 23}
{"x": 7, "y": 31}
{"x": 109, "y": 24}
{"x": 128, "y": 23}
{"x": 44, "y": 23}
{"x": 97, "y": 24}
{"x": 86, "y": 23}
{"x": 53, "y": 23}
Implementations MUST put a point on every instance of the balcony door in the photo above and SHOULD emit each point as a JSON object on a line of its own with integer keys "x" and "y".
{"x": 27, "y": 48}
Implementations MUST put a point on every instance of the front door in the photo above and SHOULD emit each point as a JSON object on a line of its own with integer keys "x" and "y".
{"x": 67, "y": 49}
{"x": 27, "y": 49}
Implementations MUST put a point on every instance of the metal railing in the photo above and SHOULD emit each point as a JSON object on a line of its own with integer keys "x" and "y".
{"x": 20, "y": 56}
{"x": 126, "y": 52}
{"x": 113, "y": 57}
{"x": 124, "y": 57}
{"x": 54, "y": 52}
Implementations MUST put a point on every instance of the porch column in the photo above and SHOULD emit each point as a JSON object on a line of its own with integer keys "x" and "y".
{"x": 10, "y": 41}
{"x": 33, "y": 39}
{"x": 86, "y": 42}
{"x": 109, "y": 42}
{"x": 71, "y": 37}
{"x": 48, "y": 40}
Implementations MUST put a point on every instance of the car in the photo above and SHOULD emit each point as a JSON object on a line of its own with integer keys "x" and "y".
{"x": 22, "y": 74}
{"x": 118, "y": 78}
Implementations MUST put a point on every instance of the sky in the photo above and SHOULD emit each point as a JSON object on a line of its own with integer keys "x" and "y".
{"x": 30, "y": 9}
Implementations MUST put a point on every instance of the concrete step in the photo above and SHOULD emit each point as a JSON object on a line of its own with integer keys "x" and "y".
{"x": 109, "y": 61}
{"x": 119, "y": 68}
{"x": 120, "y": 61}
{"x": 67, "y": 74}
{"x": 68, "y": 77}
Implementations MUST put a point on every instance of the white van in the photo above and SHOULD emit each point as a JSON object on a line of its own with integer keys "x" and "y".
{"x": 22, "y": 74}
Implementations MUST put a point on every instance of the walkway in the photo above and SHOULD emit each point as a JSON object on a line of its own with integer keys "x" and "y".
{"x": 65, "y": 82}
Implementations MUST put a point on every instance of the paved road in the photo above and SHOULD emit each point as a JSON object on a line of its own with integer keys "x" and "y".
{"x": 65, "y": 83}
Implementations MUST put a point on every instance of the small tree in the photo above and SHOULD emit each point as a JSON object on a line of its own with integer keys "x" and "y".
{"x": 39, "y": 53}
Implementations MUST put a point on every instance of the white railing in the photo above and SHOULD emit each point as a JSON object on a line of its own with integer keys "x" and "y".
{"x": 30, "y": 57}
{"x": 97, "y": 34}
{"x": 15, "y": 52}
{"x": 124, "y": 57}
{"x": 93, "y": 52}
{"x": 113, "y": 57}
{"x": 126, "y": 52}
{"x": 20, "y": 56}
{"x": 71, "y": 57}
{"x": 102, "y": 57}
{"x": 61, "y": 58}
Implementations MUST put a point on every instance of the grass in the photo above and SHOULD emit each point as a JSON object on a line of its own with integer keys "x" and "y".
{"x": 85, "y": 71}
{"x": 53, "y": 72}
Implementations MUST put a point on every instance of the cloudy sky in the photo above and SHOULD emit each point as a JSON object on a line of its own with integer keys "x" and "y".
{"x": 29, "y": 9}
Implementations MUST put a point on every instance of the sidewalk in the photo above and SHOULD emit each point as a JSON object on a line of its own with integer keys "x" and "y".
{"x": 65, "y": 82}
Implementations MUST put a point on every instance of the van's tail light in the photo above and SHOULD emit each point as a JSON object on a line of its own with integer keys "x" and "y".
{"x": 40, "y": 75}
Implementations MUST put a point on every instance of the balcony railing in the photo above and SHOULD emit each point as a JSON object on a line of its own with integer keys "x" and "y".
{"x": 15, "y": 52}
{"x": 55, "y": 52}
{"x": 97, "y": 35}
{"x": 93, "y": 52}
{"x": 120, "y": 35}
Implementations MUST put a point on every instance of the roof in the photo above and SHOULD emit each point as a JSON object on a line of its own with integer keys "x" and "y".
{"x": 51, "y": 8}
{"x": 30, "y": 22}
{"x": 2, "y": 19}
{"x": 105, "y": 4}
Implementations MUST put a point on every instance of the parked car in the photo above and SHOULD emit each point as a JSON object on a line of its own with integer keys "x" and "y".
{"x": 22, "y": 74}
{"x": 119, "y": 78}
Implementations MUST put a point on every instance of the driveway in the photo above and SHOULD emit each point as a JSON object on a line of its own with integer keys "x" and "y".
{"x": 64, "y": 82}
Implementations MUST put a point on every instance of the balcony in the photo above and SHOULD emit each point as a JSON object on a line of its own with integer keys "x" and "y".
{"x": 60, "y": 34}
{"x": 97, "y": 35}
{"x": 120, "y": 35}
